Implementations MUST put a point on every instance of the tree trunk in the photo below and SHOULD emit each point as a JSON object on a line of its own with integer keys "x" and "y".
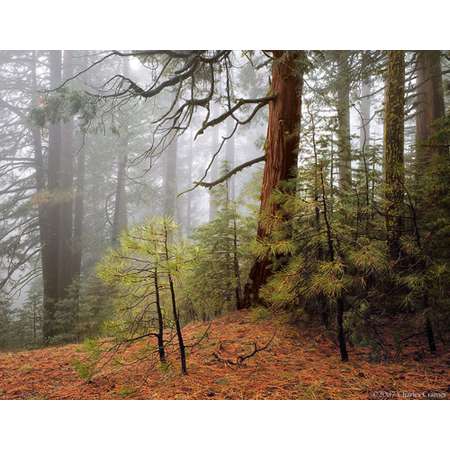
{"x": 343, "y": 111}
{"x": 394, "y": 114}
{"x": 364, "y": 131}
{"x": 40, "y": 185}
{"x": 281, "y": 152}
{"x": 65, "y": 273}
{"x": 430, "y": 108}
{"x": 230, "y": 159}
{"x": 53, "y": 236}
{"x": 364, "y": 137}
{"x": 77, "y": 243}
{"x": 79, "y": 214}
{"x": 213, "y": 171}
{"x": 120, "y": 219}
{"x": 176, "y": 317}
{"x": 161, "y": 351}
{"x": 236, "y": 266}
{"x": 189, "y": 194}
{"x": 170, "y": 179}
{"x": 431, "y": 153}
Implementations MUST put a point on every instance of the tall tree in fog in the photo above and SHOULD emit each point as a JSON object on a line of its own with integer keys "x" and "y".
{"x": 65, "y": 191}
{"x": 41, "y": 184}
{"x": 120, "y": 218}
{"x": 53, "y": 208}
{"x": 170, "y": 177}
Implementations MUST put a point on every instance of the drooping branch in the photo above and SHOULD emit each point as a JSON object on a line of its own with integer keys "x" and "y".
{"x": 229, "y": 174}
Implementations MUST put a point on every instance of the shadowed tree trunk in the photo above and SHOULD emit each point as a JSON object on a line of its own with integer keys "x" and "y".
{"x": 394, "y": 115}
{"x": 430, "y": 109}
{"x": 281, "y": 153}
{"x": 431, "y": 157}
{"x": 53, "y": 207}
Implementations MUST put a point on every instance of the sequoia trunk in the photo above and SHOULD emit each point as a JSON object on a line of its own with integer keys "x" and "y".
{"x": 281, "y": 153}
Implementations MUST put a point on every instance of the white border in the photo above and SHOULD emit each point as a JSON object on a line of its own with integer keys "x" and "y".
{"x": 223, "y": 425}
{"x": 235, "y": 24}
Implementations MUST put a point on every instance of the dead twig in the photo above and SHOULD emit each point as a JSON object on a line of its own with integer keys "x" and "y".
{"x": 241, "y": 358}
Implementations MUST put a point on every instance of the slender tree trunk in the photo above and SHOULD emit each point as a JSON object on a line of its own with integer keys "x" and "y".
{"x": 364, "y": 138}
{"x": 236, "y": 266}
{"x": 189, "y": 194}
{"x": 364, "y": 131}
{"x": 170, "y": 179}
{"x": 394, "y": 114}
{"x": 213, "y": 171}
{"x": 323, "y": 301}
{"x": 340, "y": 299}
{"x": 176, "y": 318}
{"x": 41, "y": 186}
{"x": 343, "y": 111}
{"x": 120, "y": 219}
{"x": 281, "y": 152}
{"x": 230, "y": 158}
{"x": 65, "y": 273}
{"x": 79, "y": 214}
{"x": 161, "y": 351}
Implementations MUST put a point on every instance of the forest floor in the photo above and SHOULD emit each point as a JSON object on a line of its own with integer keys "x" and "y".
{"x": 298, "y": 363}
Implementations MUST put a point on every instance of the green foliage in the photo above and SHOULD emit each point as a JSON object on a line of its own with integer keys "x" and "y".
{"x": 219, "y": 260}
{"x": 259, "y": 314}
{"x": 327, "y": 245}
{"x": 126, "y": 391}
{"x": 6, "y": 322}
{"x": 62, "y": 105}
{"x": 87, "y": 368}
{"x": 146, "y": 255}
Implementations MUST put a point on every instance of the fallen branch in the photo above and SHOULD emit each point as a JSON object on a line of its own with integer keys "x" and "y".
{"x": 241, "y": 358}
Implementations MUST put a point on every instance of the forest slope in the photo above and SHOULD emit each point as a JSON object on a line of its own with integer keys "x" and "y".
{"x": 299, "y": 363}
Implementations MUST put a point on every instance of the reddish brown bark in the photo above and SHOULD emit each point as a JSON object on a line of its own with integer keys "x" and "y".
{"x": 281, "y": 153}
{"x": 430, "y": 108}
